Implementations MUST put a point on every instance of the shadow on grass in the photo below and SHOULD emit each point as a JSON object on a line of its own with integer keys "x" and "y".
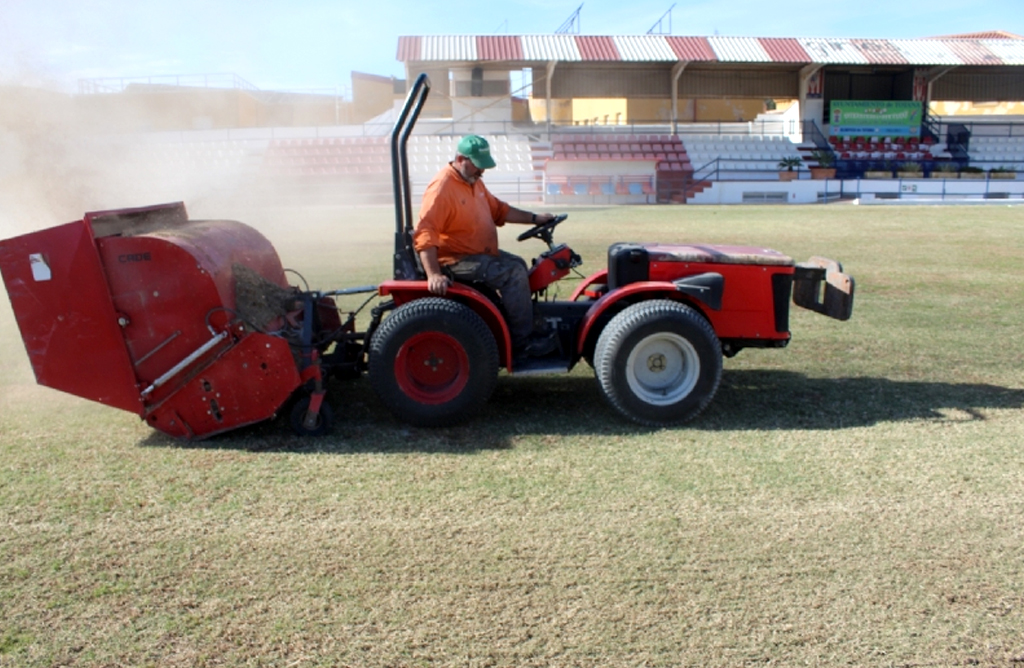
{"x": 786, "y": 400}
{"x": 573, "y": 406}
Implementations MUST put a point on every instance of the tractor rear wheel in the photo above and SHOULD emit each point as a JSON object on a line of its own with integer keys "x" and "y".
{"x": 433, "y": 362}
{"x": 658, "y": 362}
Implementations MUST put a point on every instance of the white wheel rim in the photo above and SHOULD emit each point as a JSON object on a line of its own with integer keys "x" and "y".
{"x": 662, "y": 369}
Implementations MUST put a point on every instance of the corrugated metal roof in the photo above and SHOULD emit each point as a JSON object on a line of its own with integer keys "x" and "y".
{"x": 550, "y": 47}
{"x": 838, "y": 51}
{"x": 880, "y": 52}
{"x": 926, "y": 52}
{"x": 597, "y": 48}
{"x": 449, "y": 47}
{"x": 739, "y": 49}
{"x": 691, "y": 48}
{"x": 988, "y": 34}
{"x": 784, "y": 50}
{"x": 408, "y": 49}
{"x": 644, "y": 48}
{"x": 972, "y": 52}
{"x": 1010, "y": 51}
{"x": 662, "y": 48}
{"x": 499, "y": 47}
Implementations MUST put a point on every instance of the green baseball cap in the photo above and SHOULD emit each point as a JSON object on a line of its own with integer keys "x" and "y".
{"x": 477, "y": 150}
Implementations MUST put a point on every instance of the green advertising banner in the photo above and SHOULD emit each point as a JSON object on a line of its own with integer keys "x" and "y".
{"x": 875, "y": 118}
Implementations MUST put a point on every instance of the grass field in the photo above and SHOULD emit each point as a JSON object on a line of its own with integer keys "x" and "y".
{"x": 854, "y": 499}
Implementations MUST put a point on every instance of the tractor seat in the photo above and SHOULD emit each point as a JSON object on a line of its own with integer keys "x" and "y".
{"x": 482, "y": 288}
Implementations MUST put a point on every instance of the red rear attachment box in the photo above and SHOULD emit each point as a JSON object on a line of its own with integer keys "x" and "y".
{"x": 148, "y": 311}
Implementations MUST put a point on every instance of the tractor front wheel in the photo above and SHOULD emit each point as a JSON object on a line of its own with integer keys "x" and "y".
{"x": 433, "y": 362}
{"x": 658, "y": 362}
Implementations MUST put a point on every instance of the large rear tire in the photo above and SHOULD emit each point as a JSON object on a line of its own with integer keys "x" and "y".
{"x": 433, "y": 362}
{"x": 658, "y": 362}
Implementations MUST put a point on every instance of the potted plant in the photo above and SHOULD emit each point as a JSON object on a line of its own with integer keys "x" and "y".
{"x": 1002, "y": 173}
{"x": 972, "y": 173}
{"x": 946, "y": 170}
{"x": 788, "y": 164}
{"x": 910, "y": 170}
{"x": 826, "y": 164}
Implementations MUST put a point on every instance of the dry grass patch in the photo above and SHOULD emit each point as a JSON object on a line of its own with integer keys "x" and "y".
{"x": 854, "y": 499}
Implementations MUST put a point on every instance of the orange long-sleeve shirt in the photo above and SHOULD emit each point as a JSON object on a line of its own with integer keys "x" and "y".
{"x": 458, "y": 219}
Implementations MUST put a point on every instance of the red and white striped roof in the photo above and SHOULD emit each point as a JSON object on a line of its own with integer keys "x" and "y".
{"x": 950, "y": 51}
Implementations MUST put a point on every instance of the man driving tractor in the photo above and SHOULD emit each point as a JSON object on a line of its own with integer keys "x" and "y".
{"x": 456, "y": 237}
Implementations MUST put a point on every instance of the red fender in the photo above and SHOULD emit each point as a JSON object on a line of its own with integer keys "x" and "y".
{"x": 599, "y": 277}
{"x": 406, "y": 291}
{"x": 601, "y": 306}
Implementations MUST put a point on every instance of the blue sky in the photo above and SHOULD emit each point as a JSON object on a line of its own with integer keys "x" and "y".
{"x": 315, "y": 44}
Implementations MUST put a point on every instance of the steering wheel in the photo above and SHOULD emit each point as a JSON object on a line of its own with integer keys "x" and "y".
{"x": 543, "y": 230}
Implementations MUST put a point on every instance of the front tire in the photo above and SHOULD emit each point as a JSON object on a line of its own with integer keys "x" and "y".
{"x": 433, "y": 362}
{"x": 658, "y": 362}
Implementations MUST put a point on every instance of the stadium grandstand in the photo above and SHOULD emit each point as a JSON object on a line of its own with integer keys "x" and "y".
{"x": 618, "y": 119}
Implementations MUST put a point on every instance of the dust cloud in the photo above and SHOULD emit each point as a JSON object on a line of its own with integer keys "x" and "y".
{"x": 58, "y": 161}
{"x": 64, "y": 154}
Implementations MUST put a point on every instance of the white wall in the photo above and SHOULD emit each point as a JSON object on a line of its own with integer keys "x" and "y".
{"x": 795, "y": 192}
{"x": 907, "y": 190}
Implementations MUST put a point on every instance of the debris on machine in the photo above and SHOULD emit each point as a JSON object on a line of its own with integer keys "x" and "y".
{"x": 259, "y": 301}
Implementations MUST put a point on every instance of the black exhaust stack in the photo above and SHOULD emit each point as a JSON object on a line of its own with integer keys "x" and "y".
{"x": 406, "y": 262}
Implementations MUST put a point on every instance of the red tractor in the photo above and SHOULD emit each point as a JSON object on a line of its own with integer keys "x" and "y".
{"x": 193, "y": 326}
{"x": 654, "y": 325}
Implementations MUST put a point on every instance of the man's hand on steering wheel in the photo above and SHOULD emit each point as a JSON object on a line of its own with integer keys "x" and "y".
{"x": 545, "y": 222}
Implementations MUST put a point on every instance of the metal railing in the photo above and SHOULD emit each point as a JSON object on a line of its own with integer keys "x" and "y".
{"x": 812, "y": 132}
{"x": 931, "y": 128}
{"x": 958, "y": 141}
{"x": 543, "y": 131}
{"x": 709, "y": 171}
{"x": 167, "y": 83}
{"x": 984, "y": 128}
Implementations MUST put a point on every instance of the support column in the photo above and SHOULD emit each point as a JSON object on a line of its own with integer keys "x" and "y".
{"x": 931, "y": 76}
{"x": 547, "y": 85}
{"x": 677, "y": 71}
{"x": 812, "y": 93}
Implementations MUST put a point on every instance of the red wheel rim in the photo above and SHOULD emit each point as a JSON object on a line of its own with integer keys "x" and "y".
{"x": 432, "y": 368}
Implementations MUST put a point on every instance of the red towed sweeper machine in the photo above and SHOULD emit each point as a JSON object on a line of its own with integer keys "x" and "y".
{"x": 188, "y": 323}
